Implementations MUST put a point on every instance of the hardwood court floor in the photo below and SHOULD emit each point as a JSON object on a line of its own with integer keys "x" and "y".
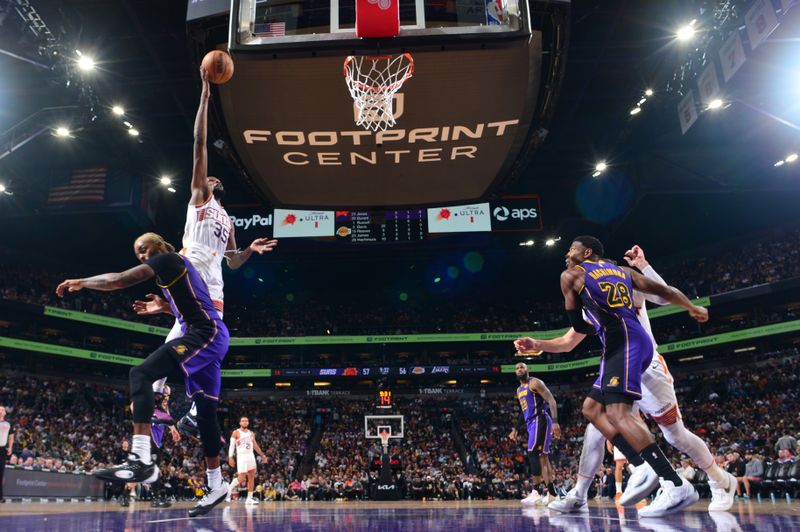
{"x": 406, "y": 516}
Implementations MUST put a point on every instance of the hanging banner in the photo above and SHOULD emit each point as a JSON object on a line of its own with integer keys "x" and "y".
{"x": 708, "y": 84}
{"x": 687, "y": 112}
{"x": 760, "y": 21}
{"x": 731, "y": 56}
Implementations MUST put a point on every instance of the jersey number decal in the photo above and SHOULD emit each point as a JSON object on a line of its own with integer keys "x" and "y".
{"x": 617, "y": 295}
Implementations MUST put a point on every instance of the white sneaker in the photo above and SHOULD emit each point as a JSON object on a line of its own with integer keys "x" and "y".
{"x": 532, "y": 497}
{"x": 642, "y": 482}
{"x": 250, "y": 500}
{"x": 544, "y": 500}
{"x": 670, "y": 499}
{"x": 722, "y": 498}
{"x": 570, "y": 503}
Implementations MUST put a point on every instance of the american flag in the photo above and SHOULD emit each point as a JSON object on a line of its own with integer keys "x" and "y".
{"x": 271, "y": 29}
{"x": 87, "y": 185}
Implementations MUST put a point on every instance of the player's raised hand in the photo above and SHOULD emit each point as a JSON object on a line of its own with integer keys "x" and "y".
{"x": 699, "y": 314}
{"x": 70, "y": 285}
{"x": 155, "y": 305}
{"x": 527, "y": 345}
{"x": 260, "y": 245}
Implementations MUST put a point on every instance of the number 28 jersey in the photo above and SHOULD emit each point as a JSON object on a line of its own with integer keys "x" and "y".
{"x": 205, "y": 238}
{"x": 607, "y": 295}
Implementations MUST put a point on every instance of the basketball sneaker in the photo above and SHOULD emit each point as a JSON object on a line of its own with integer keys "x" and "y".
{"x": 532, "y": 497}
{"x": 134, "y": 470}
{"x": 642, "y": 482}
{"x": 571, "y": 503}
{"x": 722, "y": 498}
{"x": 670, "y": 499}
{"x": 210, "y": 500}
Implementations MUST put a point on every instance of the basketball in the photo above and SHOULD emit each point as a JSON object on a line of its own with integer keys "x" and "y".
{"x": 219, "y": 66}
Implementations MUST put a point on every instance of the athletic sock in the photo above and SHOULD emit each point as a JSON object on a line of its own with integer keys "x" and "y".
{"x": 626, "y": 449}
{"x": 619, "y": 487}
{"x": 141, "y": 448}
{"x": 582, "y": 486}
{"x": 551, "y": 489}
{"x": 655, "y": 457}
{"x": 214, "y": 478}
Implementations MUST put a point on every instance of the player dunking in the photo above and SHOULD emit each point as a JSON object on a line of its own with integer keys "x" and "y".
{"x": 198, "y": 354}
{"x": 243, "y": 442}
{"x": 605, "y": 291}
{"x": 658, "y": 401}
{"x": 208, "y": 235}
{"x": 540, "y": 416}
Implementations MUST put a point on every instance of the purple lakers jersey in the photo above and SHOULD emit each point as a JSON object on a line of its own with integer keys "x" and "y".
{"x": 531, "y": 403}
{"x": 607, "y": 294}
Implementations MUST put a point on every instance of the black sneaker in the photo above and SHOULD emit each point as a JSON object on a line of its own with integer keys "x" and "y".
{"x": 210, "y": 500}
{"x": 134, "y": 470}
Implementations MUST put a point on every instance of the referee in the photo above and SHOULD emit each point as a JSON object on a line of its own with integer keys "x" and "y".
{"x": 6, "y": 444}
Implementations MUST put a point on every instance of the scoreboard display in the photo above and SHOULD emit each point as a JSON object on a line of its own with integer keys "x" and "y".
{"x": 380, "y": 226}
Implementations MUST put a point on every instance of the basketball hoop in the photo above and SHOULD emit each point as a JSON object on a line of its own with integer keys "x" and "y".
{"x": 384, "y": 436}
{"x": 373, "y": 82}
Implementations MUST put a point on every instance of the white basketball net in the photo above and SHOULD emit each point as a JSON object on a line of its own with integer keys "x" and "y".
{"x": 373, "y": 82}
{"x": 384, "y": 436}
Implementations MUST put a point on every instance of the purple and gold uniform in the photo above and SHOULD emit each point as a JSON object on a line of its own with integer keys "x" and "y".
{"x": 204, "y": 344}
{"x": 536, "y": 413}
{"x": 607, "y": 296}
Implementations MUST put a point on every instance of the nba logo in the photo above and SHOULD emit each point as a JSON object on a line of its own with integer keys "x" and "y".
{"x": 495, "y": 12}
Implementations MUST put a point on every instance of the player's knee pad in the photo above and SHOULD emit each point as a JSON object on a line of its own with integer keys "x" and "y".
{"x": 536, "y": 465}
{"x": 208, "y": 426}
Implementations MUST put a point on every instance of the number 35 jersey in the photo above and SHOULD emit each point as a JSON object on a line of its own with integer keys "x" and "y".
{"x": 607, "y": 296}
{"x": 205, "y": 238}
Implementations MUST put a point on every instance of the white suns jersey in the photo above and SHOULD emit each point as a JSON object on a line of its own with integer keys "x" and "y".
{"x": 244, "y": 444}
{"x": 205, "y": 238}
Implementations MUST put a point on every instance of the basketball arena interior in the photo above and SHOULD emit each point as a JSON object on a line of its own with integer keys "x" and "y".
{"x": 399, "y": 265}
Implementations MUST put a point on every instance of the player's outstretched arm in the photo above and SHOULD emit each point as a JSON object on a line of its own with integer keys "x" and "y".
{"x": 237, "y": 257}
{"x": 542, "y": 389}
{"x": 668, "y": 293}
{"x": 200, "y": 164}
{"x": 108, "y": 282}
{"x": 563, "y": 344}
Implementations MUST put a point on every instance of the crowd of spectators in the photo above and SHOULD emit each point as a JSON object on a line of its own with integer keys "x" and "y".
{"x": 452, "y": 449}
{"x": 760, "y": 260}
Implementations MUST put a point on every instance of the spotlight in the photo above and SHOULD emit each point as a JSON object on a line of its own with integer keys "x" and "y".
{"x": 165, "y": 181}
{"x": 86, "y": 63}
{"x": 686, "y": 33}
{"x": 791, "y": 158}
{"x": 61, "y": 131}
{"x": 636, "y": 110}
{"x": 117, "y": 110}
{"x": 648, "y": 92}
{"x": 133, "y": 132}
{"x": 716, "y": 103}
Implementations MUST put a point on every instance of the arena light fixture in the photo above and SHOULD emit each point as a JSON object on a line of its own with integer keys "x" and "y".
{"x": 133, "y": 132}
{"x": 686, "y": 33}
{"x": 636, "y": 111}
{"x": 791, "y": 158}
{"x": 716, "y": 103}
{"x": 62, "y": 131}
{"x": 117, "y": 110}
